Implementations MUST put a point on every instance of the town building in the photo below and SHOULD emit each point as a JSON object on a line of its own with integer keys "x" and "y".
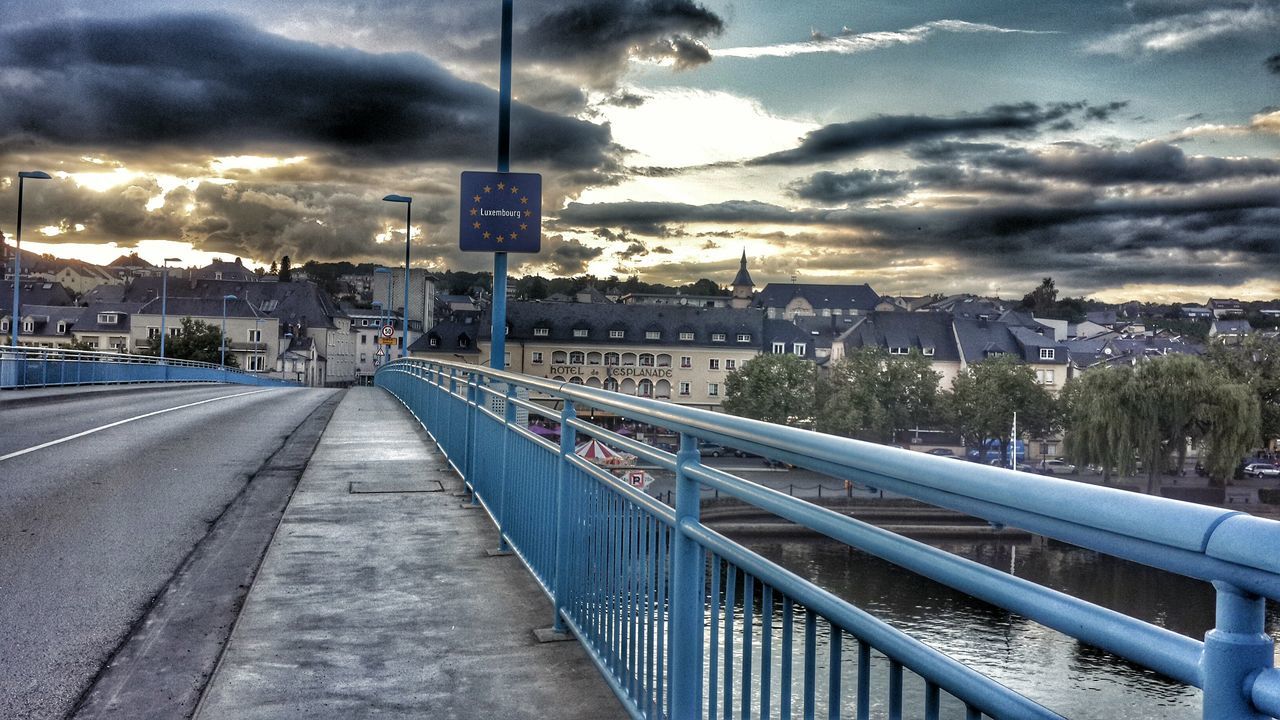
{"x": 785, "y": 301}
{"x": 422, "y": 297}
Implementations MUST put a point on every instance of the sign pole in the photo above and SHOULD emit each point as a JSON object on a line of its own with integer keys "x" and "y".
{"x": 498, "y": 332}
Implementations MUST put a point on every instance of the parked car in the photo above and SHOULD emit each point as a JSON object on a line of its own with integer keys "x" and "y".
{"x": 942, "y": 452}
{"x": 744, "y": 454}
{"x": 1261, "y": 469}
{"x": 712, "y": 450}
{"x": 1054, "y": 466}
{"x": 771, "y": 463}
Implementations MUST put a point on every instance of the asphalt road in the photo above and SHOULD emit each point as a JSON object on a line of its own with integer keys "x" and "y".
{"x": 96, "y": 517}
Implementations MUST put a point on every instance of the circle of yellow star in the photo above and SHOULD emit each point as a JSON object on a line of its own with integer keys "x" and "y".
{"x": 513, "y": 236}
{"x": 474, "y": 211}
{"x": 499, "y": 238}
{"x": 485, "y": 235}
{"x": 476, "y": 224}
{"x": 524, "y": 201}
{"x": 476, "y": 198}
{"x": 514, "y": 189}
{"x": 501, "y": 185}
{"x": 487, "y": 188}
{"x": 524, "y": 226}
{"x": 528, "y": 213}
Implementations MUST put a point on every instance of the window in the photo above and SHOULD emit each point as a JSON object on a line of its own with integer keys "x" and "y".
{"x": 559, "y": 357}
{"x": 175, "y": 331}
{"x": 744, "y": 337}
{"x": 255, "y": 335}
{"x": 684, "y": 388}
{"x": 611, "y": 358}
{"x": 28, "y": 326}
{"x": 616, "y": 334}
{"x": 928, "y": 352}
{"x": 579, "y": 332}
{"x": 4, "y": 324}
{"x": 713, "y": 389}
{"x": 779, "y": 348}
{"x": 717, "y": 337}
{"x": 686, "y": 336}
{"x": 108, "y": 318}
{"x": 152, "y": 332}
{"x": 464, "y": 341}
{"x": 1044, "y": 377}
{"x": 577, "y": 358}
{"x": 1048, "y": 449}
{"x": 91, "y": 341}
{"x": 730, "y": 364}
{"x": 686, "y": 361}
{"x": 797, "y": 348}
{"x": 541, "y": 332}
{"x": 713, "y": 364}
{"x": 363, "y": 357}
{"x": 536, "y": 357}
{"x": 62, "y": 327}
{"x": 433, "y": 341}
{"x": 652, "y": 334}
{"x": 1046, "y": 353}
{"x": 645, "y": 388}
{"x": 119, "y": 343}
{"x": 646, "y": 360}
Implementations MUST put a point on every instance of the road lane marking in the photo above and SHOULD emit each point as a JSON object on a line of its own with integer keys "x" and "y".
{"x": 108, "y": 426}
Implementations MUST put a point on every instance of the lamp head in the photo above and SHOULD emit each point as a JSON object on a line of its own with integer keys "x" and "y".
{"x": 34, "y": 175}
{"x": 229, "y": 297}
{"x": 398, "y": 198}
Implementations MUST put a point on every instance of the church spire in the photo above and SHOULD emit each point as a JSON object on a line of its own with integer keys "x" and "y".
{"x": 743, "y": 288}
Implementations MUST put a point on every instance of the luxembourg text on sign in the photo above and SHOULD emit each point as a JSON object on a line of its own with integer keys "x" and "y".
{"x": 501, "y": 212}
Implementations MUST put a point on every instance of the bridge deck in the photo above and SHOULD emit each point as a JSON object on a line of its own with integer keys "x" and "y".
{"x": 385, "y": 603}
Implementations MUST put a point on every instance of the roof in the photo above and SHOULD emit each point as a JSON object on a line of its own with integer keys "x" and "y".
{"x": 1232, "y": 326}
{"x": 778, "y": 295}
{"x": 743, "y": 277}
{"x": 914, "y": 331}
{"x": 298, "y": 304}
{"x": 561, "y": 319}
{"x": 448, "y": 335}
{"x": 50, "y": 315}
{"x": 124, "y": 311}
{"x": 980, "y": 339}
{"x": 34, "y": 292}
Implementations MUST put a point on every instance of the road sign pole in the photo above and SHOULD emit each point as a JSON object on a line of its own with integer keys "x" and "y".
{"x": 498, "y": 330}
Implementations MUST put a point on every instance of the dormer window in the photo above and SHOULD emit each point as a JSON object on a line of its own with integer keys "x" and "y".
{"x": 686, "y": 336}
{"x": 717, "y": 337}
{"x": 898, "y": 351}
{"x": 580, "y": 332}
{"x": 62, "y": 327}
{"x": 1046, "y": 353}
{"x": 433, "y": 341}
{"x": 928, "y": 352}
{"x": 744, "y": 337}
{"x": 464, "y": 341}
{"x": 541, "y": 331}
{"x": 28, "y": 326}
{"x": 108, "y": 318}
{"x": 653, "y": 335}
{"x": 617, "y": 334}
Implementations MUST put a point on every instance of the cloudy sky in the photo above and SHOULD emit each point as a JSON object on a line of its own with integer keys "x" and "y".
{"x": 1128, "y": 149}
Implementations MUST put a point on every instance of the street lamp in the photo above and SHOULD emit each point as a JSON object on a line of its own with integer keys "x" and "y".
{"x": 223, "y": 340}
{"x": 164, "y": 301}
{"x": 408, "y": 206}
{"x": 17, "y": 247}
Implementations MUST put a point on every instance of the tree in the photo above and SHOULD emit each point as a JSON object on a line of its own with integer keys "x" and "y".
{"x": 1097, "y": 418}
{"x": 1256, "y": 363}
{"x": 286, "y": 270}
{"x": 984, "y": 397}
{"x": 275, "y": 269}
{"x": 1043, "y": 299}
{"x": 871, "y": 394}
{"x": 199, "y": 341}
{"x": 773, "y": 388}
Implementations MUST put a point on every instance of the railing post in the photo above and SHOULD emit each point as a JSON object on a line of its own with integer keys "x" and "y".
{"x": 508, "y": 429}
{"x": 568, "y": 443}
{"x": 688, "y": 593}
{"x": 470, "y": 430}
{"x": 1235, "y": 651}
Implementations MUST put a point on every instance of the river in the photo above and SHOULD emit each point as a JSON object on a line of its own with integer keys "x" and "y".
{"x": 1073, "y": 679}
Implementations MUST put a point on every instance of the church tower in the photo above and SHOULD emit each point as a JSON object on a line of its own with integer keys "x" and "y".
{"x": 743, "y": 288}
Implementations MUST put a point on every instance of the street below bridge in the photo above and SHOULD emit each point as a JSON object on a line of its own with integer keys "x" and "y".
{"x": 109, "y": 498}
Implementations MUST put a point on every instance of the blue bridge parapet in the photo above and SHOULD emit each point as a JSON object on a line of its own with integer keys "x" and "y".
{"x": 685, "y": 623}
{"x": 27, "y": 367}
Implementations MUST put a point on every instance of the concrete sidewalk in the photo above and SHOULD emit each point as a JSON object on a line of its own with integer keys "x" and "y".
{"x": 383, "y": 603}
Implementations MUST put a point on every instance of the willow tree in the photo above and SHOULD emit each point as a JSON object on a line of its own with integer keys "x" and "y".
{"x": 773, "y": 388}
{"x": 1256, "y": 363}
{"x": 1098, "y": 419}
{"x": 870, "y": 394}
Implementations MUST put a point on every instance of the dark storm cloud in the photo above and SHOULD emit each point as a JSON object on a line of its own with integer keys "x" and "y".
{"x": 953, "y": 178}
{"x": 829, "y": 187}
{"x": 120, "y": 216}
{"x": 603, "y": 34}
{"x": 1273, "y": 63}
{"x": 846, "y": 139}
{"x": 566, "y": 257}
{"x": 1151, "y": 162}
{"x": 210, "y": 83}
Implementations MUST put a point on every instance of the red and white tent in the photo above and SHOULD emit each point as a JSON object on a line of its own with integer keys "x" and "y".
{"x": 596, "y": 451}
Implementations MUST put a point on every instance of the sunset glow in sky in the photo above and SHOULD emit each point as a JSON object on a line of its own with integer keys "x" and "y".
{"x": 1127, "y": 149}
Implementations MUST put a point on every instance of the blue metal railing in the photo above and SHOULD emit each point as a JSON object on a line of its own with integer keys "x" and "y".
{"x": 685, "y": 623}
{"x": 27, "y": 367}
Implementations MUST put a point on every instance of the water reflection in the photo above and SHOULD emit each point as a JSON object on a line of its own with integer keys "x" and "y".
{"x": 1073, "y": 679}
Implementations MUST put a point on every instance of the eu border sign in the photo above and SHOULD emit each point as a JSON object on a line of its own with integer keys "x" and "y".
{"x": 501, "y": 212}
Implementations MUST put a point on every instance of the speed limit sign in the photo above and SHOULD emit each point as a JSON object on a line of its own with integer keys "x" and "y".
{"x": 388, "y": 331}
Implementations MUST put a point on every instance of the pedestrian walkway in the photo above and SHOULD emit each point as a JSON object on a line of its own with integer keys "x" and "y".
{"x": 377, "y": 598}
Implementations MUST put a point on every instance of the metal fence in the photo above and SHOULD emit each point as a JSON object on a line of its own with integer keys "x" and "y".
{"x": 685, "y": 623}
{"x": 25, "y": 367}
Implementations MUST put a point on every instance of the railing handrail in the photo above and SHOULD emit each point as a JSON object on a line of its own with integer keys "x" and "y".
{"x": 1199, "y": 541}
{"x": 1239, "y": 553}
{"x": 14, "y": 359}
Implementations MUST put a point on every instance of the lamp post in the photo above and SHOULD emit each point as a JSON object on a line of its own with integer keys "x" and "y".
{"x": 164, "y": 301}
{"x": 17, "y": 248}
{"x": 378, "y": 335}
{"x": 222, "y": 341}
{"x": 408, "y": 206}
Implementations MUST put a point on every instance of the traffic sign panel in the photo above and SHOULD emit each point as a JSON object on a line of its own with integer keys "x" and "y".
{"x": 386, "y": 341}
{"x": 388, "y": 330}
{"x": 501, "y": 212}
